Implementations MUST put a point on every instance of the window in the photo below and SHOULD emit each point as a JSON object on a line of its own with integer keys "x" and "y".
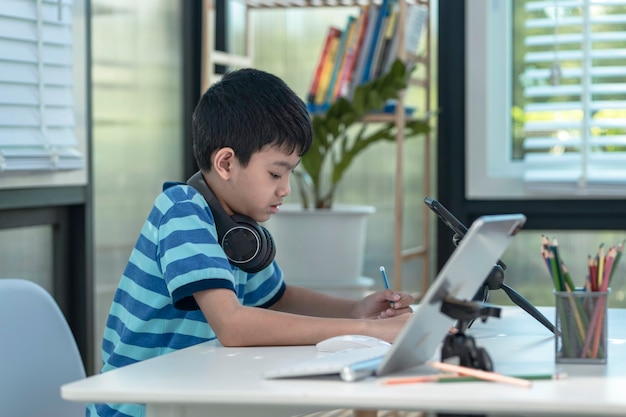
{"x": 37, "y": 102}
{"x": 547, "y": 88}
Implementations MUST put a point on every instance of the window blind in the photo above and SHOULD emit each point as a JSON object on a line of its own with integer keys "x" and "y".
{"x": 36, "y": 87}
{"x": 574, "y": 95}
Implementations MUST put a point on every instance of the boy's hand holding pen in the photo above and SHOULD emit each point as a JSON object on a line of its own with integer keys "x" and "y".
{"x": 399, "y": 303}
{"x": 385, "y": 304}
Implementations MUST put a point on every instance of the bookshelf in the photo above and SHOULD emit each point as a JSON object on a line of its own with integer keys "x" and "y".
{"x": 211, "y": 57}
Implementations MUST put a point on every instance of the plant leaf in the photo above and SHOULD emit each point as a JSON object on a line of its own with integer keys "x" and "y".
{"x": 336, "y": 146}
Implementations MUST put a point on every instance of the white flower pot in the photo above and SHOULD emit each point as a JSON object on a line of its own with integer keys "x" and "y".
{"x": 322, "y": 249}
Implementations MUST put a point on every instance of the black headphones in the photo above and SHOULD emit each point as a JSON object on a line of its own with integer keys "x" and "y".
{"x": 247, "y": 244}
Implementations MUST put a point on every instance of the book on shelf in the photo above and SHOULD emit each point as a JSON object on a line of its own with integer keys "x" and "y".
{"x": 387, "y": 26}
{"x": 415, "y": 23}
{"x": 346, "y": 37}
{"x": 387, "y": 43}
{"x": 349, "y": 59}
{"x": 327, "y": 67}
{"x": 390, "y": 107}
{"x": 361, "y": 56}
{"x": 383, "y": 11}
{"x": 353, "y": 53}
{"x": 364, "y": 49}
{"x": 320, "y": 64}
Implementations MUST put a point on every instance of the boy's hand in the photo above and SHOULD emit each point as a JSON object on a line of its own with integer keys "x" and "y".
{"x": 385, "y": 304}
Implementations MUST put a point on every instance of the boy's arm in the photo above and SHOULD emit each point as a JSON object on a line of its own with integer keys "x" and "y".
{"x": 380, "y": 304}
{"x": 238, "y": 325}
{"x": 304, "y": 301}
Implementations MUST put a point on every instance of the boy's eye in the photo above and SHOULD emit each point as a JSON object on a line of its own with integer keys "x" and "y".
{"x": 276, "y": 176}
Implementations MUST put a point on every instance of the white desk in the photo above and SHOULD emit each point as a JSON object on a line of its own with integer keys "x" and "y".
{"x": 215, "y": 381}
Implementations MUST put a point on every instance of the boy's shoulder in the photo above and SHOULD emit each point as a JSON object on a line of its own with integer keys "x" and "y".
{"x": 179, "y": 190}
{"x": 171, "y": 185}
{"x": 173, "y": 193}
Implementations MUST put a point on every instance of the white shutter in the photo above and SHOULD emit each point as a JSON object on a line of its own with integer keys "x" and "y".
{"x": 36, "y": 88}
{"x": 575, "y": 97}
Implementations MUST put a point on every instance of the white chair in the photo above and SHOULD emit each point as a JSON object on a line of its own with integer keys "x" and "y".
{"x": 38, "y": 353}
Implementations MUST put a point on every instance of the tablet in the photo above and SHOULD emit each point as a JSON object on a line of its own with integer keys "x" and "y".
{"x": 461, "y": 276}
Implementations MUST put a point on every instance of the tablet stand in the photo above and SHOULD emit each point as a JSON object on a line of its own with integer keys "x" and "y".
{"x": 495, "y": 281}
{"x": 459, "y": 345}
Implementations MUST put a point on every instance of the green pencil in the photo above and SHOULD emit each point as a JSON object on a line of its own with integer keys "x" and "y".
{"x": 530, "y": 377}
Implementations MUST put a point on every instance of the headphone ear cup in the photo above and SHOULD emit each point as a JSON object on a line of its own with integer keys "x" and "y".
{"x": 271, "y": 249}
{"x": 248, "y": 245}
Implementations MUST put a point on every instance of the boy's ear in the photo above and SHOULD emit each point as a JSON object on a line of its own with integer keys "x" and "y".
{"x": 222, "y": 162}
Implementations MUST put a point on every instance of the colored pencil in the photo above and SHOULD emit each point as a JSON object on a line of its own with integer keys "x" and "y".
{"x": 618, "y": 255}
{"x": 452, "y": 378}
{"x": 419, "y": 379}
{"x": 480, "y": 374}
{"x": 600, "y": 257}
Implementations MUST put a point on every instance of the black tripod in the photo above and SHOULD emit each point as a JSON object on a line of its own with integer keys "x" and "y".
{"x": 495, "y": 281}
{"x": 462, "y": 347}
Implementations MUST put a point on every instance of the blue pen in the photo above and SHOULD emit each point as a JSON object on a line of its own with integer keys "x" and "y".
{"x": 385, "y": 280}
{"x": 384, "y": 274}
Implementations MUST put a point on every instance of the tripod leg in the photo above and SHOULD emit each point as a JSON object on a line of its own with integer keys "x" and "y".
{"x": 528, "y": 307}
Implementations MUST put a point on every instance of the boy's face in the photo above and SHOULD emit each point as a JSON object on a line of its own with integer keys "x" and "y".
{"x": 260, "y": 187}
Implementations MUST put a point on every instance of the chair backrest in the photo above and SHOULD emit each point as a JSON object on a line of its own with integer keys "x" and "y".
{"x": 38, "y": 353}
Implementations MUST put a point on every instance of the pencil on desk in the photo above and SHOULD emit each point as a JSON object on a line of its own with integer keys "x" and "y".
{"x": 418, "y": 379}
{"x": 454, "y": 377}
{"x": 484, "y": 375}
{"x": 525, "y": 377}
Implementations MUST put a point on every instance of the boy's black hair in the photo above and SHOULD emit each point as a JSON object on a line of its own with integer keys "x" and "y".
{"x": 247, "y": 110}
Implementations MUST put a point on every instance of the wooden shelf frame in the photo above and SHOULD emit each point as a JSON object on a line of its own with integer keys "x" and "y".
{"x": 401, "y": 254}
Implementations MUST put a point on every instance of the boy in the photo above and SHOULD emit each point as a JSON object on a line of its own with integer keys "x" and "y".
{"x": 184, "y": 286}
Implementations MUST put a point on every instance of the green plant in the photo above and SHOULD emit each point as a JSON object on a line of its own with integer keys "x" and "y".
{"x": 335, "y": 145}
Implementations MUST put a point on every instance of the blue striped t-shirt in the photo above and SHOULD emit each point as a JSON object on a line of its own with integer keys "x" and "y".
{"x": 153, "y": 311}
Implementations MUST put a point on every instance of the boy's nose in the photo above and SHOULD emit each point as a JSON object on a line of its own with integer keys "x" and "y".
{"x": 284, "y": 189}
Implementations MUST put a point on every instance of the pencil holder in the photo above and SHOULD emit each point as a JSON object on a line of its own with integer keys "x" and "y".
{"x": 581, "y": 327}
